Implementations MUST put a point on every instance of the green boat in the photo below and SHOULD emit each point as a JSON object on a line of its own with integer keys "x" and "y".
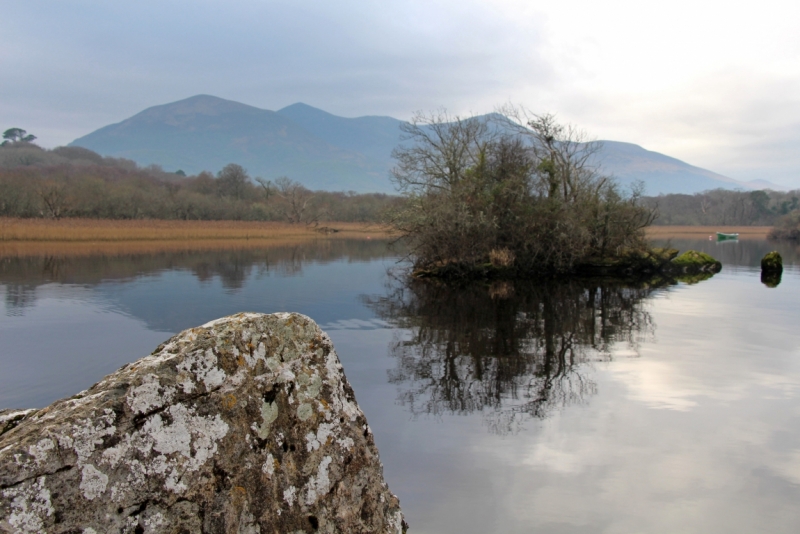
{"x": 726, "y": 237}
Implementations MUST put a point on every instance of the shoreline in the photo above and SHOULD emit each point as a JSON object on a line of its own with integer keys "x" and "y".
{"x": 701, "y": 232}
{"x": 126, "y": 248}
{"x": 123, "y": 230}
{"x": 116, "y": 231}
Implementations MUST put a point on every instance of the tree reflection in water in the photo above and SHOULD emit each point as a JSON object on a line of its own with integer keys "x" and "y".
{"x": 21, "y": 275}
{"x": 513, "y": 351}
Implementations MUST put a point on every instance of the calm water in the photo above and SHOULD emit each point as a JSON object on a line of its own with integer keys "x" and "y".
{"x": 557, "y": 408}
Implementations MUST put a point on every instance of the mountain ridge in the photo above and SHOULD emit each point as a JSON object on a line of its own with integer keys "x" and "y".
{"x": 326, "y": 151}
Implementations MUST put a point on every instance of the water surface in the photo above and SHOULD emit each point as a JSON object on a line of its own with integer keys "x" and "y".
{"x": 553, "y": 407}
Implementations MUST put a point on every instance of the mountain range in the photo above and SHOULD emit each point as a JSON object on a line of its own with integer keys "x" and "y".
{"x": 328, "y": 152}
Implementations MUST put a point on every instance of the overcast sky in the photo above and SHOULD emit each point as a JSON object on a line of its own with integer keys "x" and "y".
{"x": 715, "y": 83}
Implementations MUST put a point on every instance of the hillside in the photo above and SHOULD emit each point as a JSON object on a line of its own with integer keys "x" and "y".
{"x": 327, "y": 152}
{"x": 206, "y": 133}
{"x": 661, "y": 174}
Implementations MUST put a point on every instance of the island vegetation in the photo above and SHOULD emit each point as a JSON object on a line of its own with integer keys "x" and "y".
{"x": 482, "y": 201}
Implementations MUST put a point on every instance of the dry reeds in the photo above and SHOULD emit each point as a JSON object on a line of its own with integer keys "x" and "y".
{"x": 11, "y": 249}
{"x": 105, "y": 230}
{"x": 501, "y": 257}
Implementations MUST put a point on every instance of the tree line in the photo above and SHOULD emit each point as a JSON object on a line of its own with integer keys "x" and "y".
{"x": 724, "y": 207}
{"x": 77, "y": 182}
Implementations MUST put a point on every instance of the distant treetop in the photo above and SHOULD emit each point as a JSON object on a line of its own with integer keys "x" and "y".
{"x": 16, "y": 135}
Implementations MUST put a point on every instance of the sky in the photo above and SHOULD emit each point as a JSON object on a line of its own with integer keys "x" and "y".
{"x": 714, "y": 83}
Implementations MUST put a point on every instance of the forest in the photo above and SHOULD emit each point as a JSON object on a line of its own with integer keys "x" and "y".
{"x": 77, "y": 182}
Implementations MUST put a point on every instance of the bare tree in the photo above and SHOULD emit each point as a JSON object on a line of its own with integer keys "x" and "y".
{"x": 267, "y": 187}
{"x": 565, "y": 153}
{"x": 53, "y": 195}
{"x": 296, "y": 200}
{"x": 438, "y": 150}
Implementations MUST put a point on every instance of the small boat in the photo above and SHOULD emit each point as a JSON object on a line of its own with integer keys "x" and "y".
{"x": 726, "y": 237}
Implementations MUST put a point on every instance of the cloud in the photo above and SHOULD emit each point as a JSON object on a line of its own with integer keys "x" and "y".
{"x": 709, "y": 82}
{"x": 352, "y": 58}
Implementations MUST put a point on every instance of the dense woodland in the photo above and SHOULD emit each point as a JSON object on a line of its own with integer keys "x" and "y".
{"x": 77, "y": 182}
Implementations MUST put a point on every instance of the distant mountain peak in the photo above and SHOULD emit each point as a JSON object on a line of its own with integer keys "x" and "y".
{"x": 306, "y": 113}
{"x": 325, "y": 151}
{"x": 198, "y": 105}
{"x": 302, "y": 106}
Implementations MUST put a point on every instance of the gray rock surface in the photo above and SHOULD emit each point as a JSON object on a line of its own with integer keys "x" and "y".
{"x": 246, "y": 424}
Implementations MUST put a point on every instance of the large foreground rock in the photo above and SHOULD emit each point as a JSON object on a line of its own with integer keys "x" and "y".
{"x": 246, "y": 424}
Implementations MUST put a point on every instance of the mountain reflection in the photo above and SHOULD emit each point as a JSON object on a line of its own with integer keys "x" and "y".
{"x": 513, "y": 351}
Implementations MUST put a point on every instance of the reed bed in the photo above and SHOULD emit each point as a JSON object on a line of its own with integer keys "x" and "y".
{"x": 104, "y": 230}
{"x": 703, "y": 232}
{"x": 73, "y": 249}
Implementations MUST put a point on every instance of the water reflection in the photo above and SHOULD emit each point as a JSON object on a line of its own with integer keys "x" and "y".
{"x": 514, "y": 351}
{"x": 73, "y": 315}
{"x": 695, "y": 431}
{"x": 771, "y": 279}
{"x": 23, "y": 274}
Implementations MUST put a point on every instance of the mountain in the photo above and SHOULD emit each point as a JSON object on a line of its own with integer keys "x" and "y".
{"x": 765, "y": 184}
{"x": 661, "y": 174}
{"x": 325, "y": 151}
{"x": 206, "y": 133}
{"x": 374, "y": 137}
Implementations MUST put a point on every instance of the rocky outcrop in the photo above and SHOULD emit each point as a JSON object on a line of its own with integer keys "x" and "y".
{"x": 693, "y": 262}
{"x": 772, "y": 262}
{"x": 771, "y": 269}
{"x": 246, "y": 424}
{"x": 655, "y": 264}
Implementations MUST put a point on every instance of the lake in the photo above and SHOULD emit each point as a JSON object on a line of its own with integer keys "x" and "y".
{"x": 552, "y": 407}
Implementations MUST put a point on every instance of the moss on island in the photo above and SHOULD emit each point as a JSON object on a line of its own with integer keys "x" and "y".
{"x": 771, "y": 269}
{"x": 694, "y": 262}
{"x": 772, "y": 262}
{"x": 691, "y": 266}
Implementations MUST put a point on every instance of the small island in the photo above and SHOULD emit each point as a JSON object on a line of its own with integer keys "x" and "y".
{"x": 519, "y": 195}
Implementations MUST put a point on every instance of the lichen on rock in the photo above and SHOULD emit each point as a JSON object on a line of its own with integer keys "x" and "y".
{"x": 245, "y": 424}
{"x": 694, "y": 262}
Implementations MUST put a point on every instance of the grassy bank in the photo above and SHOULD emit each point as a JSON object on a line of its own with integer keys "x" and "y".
{"x": 13, "y": 230}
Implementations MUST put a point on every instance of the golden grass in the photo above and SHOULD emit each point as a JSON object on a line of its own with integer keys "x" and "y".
{"x": 703, "y": 232}
{"x": 10, "y": 249}
{"x": 116, "y": 231}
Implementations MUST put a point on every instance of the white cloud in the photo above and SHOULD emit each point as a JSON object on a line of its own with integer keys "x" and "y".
{"x": 715, "y": 83}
